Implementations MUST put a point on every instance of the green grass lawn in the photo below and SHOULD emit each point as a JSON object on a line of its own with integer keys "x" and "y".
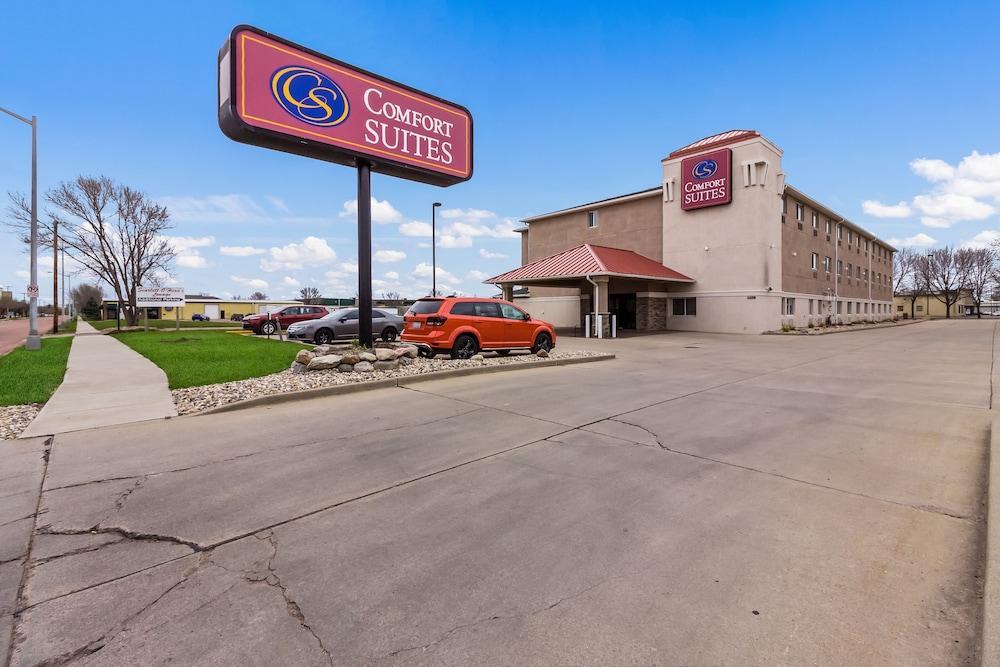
{"x": 194, "y": 358}
{"x": 68, "y": 326}
{"x": 168, "y": 324}
{"x": 31, "y": 377}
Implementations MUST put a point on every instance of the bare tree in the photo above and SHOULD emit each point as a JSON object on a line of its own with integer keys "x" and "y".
{"x": 946, "y": 271}
{"x": 391, "y": 296}
{"x": 86, "y": 298}
{"x": 903, "y": 268}
{"x": 981, "y": 268}
{"x": 257, "y": 296}
{"x": 309, "y": 295}
{"x": 115, "y": 232}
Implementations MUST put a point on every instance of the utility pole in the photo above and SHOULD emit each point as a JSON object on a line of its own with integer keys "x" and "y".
{"x": 33, "y": 342}
{"x": 55, "y": 276}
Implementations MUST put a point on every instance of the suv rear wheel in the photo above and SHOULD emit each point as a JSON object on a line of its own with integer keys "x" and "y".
{"x": 466, "y": 346}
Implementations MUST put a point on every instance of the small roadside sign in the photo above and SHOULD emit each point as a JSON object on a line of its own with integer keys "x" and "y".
{"x": 151, "y": 297}
{"x": 32, "y": 291}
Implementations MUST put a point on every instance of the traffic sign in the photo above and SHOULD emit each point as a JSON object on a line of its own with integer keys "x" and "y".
{"x": 32, "y": 291}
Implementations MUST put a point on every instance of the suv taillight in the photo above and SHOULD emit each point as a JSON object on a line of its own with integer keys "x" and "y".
{"x": 436, "y": 321}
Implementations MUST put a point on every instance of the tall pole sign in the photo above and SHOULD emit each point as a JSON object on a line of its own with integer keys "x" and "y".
{"x": 280, "y": 95}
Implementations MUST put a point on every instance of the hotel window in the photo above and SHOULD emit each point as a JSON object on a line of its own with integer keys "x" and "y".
{"x": 849, "y": 307}
{"x": 848, "y": 269}
{"x": 591, "y": 219}
{"x": 828, "y": 223}
{"x": 866, "y": 307}
{"x": 866, "y": 275}
{"x": 800, "y": 212}
{"x": 850, "y": 237}
{"x": 788, "y": 306}
{"x": 840, "y": 266}
{"x": 684, "y": 306}
{"x": 858, "y": 272}
{"x": 840, "y": 232}
{"x": 827, "y": 263}
{"x": 815, "y": 261}
{"x": 815, "y": 220}
{"x": 810, "y": 306}
{"x": 840, "y": 307}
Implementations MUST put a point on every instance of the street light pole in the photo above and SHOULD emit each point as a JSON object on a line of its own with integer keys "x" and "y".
{"x": 434, "y": 268}
{"x": 33, "y": 342}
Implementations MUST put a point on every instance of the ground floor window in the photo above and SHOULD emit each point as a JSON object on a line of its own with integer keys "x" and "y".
{"x": 899, "y": 309}
{"x": 687, "y": 306}
{"x": 810, "y": 306}
{"x": 788, "y": 306}
{"x": 848, "y": 307}
{"x": 840, "y": 307}
{"x": 920, "y": 308}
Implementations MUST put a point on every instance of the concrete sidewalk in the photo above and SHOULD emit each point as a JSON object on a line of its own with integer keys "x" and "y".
{"x": 106, "y": 383}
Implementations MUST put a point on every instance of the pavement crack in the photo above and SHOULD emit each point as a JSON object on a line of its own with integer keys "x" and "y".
{"x": 124, "y": 533}
{"x": 641, "y": 428}
{"x": 271, "y": 578}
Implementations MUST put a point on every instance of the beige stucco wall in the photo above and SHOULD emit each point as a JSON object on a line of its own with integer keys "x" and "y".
{"x": 559, "y": 311}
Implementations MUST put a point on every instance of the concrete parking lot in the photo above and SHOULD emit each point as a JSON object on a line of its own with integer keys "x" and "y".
{"x": 702, "y": 499}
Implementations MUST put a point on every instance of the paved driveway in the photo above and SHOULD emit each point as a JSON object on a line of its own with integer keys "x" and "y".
{"x": 703, "y": 499}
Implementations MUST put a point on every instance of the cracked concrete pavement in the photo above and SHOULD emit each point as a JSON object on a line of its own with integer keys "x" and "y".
{"x": 751, "y": 500}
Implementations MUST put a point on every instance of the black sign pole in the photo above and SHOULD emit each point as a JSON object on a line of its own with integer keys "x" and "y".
{"x": 365, "y": 254}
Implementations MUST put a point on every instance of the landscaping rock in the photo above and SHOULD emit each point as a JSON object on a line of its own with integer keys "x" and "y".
{"x": 321, "y": 350}
{"x": 477, "y": 357}
{"x": 364, "y": 367}
{"x": 368, "y": 356}
{"x": 386, "y": 365}
{"x": 299, "y": 368}
{"x": 542, "y": 353}
{"x": 324, "y": 362}
{"x": 411, "y": 352}
{"x": 304, "y": 356}
{"x": 345, "y": 368}
{"x": 385, "y": 354}
{"x": 404, "y": 361}
{"x": 350, "y": 358}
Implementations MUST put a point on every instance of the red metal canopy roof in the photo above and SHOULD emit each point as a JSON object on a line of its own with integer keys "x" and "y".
{"x": 591, "y": 260}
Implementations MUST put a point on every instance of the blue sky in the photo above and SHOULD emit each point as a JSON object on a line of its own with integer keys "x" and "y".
{"x": 572, "y": 102}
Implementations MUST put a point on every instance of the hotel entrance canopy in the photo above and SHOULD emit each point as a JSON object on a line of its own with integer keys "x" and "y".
{"x": 589, "y": 261}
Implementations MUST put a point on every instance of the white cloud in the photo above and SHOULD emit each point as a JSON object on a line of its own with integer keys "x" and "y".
{"x": 382, "y": 211}
{"x": 213, "y": 208}
{"x": 932, "y": 170}
{"x": 486, "y": 254}
{"x": 389, "y": 256}
{"x": 21, "y": 273}
{"x": 918, "y": 240}
{"x": 349, "y": 267}
{"x": 477, "y": 275}
{"x": 983, "y": 239}
{"x": 425, "y": 270}
{"x": 313, "y": 251}
{"x": 936, "y": 223}
{"x": 415, "y": 229}
{"x": 475, "y": 214}
{"x": 391, "y": 275}
{"x": 279, "y": 204}
{"x": 256, "y": 283}
{"x": 192, "y": 261}
{"x": 449, "y": 240}
{"x": 290, "y": 281}
{"x": 240, "y": 250}
{"x": 880, "y": 210}
{"x": 953, "y": 207}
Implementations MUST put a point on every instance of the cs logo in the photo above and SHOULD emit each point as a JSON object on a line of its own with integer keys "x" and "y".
{"x": 704, "y": 169}
{"x": 310, "y": 96}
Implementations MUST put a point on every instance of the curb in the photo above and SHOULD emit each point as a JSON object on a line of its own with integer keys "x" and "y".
{"x": 404, "y": 381}
{"x": 845, "y": 329}
{"x": 990, "y": 654}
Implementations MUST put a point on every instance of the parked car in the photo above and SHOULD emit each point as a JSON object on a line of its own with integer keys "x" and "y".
{"x": 268, "y": 323}
{"x": 198, "y": 317}
{"x": 465, "y": 326}
{"x": 237, "y": 317}
{"x": 343, "y": 323}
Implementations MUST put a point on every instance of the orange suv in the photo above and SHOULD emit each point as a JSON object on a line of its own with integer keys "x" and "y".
{"x": 466, "y": 326}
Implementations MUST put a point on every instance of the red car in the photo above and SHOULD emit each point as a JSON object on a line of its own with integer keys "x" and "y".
{"x": 268, "y": 323}
{"x": 465, "y": 326}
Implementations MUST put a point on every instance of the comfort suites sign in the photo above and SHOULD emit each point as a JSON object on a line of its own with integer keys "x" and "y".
{"x": 706, "y": 179}
{"x": 284, "y": 96}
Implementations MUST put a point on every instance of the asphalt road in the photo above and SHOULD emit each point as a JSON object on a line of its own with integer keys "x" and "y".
{"x": 14, "y": 332}
{"x": 701, "y": 500}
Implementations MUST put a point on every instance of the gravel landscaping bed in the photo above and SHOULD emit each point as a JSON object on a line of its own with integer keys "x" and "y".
{"x": 196, "y": 399}
{"x": 15, "y": 418}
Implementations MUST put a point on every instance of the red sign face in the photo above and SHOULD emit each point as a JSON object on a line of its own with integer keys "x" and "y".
{"x": 706, "y": 179}
{"x": 280, "y": 95}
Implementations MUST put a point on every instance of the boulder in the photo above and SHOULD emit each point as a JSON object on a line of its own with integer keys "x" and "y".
{"x": 368, "y": 356}
{"x": 345, "y": 368}
{"x": 350, "y": 358}
{"x": 385, "y": 354}
{"x": 322, "y": 350}
{"x": 542, "y": 353}
{"x": 363, "y": 367}
{"x": 304, "y": 356}
{"x": 477, "y": 357}
{"x": 411, "y": 351}
{"x": 386, "y": 365}
{"x": 299, "y": 368}
{"x": 404, "y": 361}
{"x": 324, "y": 362}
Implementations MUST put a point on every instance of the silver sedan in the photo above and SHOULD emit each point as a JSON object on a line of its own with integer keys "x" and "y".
{"x": 343, "y": 324}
